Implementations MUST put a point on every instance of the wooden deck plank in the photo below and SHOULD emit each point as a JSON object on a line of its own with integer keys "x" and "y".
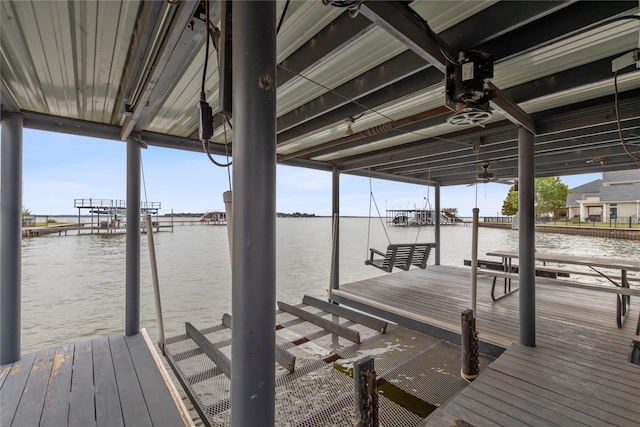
{"x": 4, "y": 372}
{"x": 531, "y": 404}
{"x": 541, "y": 398}
{"x": 156, "y": 395}
{"x": 599, "y": 402}
{"x": 605, "y": 384}
{"x": 495, "y": 405}
{"x": 13, "y": 387}
{"x": 108, "y": 410}
{"x": 56, "y": 403}
{"x": 31, "y": 403}
{"x": 587, "y": 365}
{"x": 578, "y": 374}
{"x": 475, "y": 418}
{"x": 81, "y": 400}
{"x": 134, "y": 409}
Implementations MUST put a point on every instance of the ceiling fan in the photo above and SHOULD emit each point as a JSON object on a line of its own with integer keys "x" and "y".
{"x": 484, "y": 177}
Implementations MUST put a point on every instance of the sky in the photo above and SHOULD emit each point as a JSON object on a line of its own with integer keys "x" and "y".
{"x": 58, "y": 168}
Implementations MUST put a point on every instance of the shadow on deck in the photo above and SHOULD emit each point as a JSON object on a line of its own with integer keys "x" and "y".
{"x": 578, "y": 372}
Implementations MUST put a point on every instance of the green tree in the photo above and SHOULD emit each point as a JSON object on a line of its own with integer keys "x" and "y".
{"x": 510, "y": 204}
{"x": 26, "y": 213}
{"x": 550, "y": 196}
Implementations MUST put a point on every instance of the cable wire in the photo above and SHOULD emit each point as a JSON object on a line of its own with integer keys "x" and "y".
{"x": 353, "y": 101}
{"x": 635, "y": 157}
{"x": 203, "y": 95}
{"x": 284, "y": 12}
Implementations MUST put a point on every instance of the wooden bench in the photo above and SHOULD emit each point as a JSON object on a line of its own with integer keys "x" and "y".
{"x": 623, "y": 294}
{"x": 401, "y": 256}
{"x": 498, "y": 266}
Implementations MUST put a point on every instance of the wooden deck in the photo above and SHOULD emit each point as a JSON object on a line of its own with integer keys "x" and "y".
{"x": 108, "y": 381}
{"x": 577, "y": 374}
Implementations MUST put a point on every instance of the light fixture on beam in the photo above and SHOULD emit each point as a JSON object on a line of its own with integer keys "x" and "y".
{"x": 349, "y": 121}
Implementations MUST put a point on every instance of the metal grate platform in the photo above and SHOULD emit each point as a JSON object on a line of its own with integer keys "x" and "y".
{"x": 416, "y": 373}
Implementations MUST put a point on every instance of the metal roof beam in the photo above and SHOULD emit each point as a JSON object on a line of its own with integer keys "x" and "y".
{"x": 577, "y": 143}
{"x": 336, "y": 34}
{"x": 402, "y": 23}
{"x": 376, "y": 132}
{"x": 575, "y": 77}
{"x": 8, "y": 102}
{"x": 147, "y": 25}
{"x": 581, "y": 115}
{"x": 537, "y": 23}
{"x": 546, "y": 163}
{"x": 405, "y": 71}
{"x": 405, "y": 25}
{"x": 180, "y": 43}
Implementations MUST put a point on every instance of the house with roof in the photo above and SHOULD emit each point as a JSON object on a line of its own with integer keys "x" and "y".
{"x": 616, "y": 195}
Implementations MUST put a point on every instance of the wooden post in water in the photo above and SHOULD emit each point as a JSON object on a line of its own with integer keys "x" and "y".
{"x": 364, "y": 378}
{"x": 470, "y": 364}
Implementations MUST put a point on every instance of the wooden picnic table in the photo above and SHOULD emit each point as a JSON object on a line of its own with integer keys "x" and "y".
{"x": 613, "y": 263}
{"x": 594, "y": 263}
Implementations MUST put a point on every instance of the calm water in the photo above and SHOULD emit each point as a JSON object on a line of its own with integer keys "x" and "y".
{"x": 73, "y": 286}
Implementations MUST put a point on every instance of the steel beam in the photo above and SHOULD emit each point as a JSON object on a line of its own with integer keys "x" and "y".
{"x": 132, "y": 292}
{"x": 526, "y": 238}
{"x": 563, "y": 119}
{"x": 10, "y": 237}
{"x": 8, "y": 102}
{"x": 481, "y": 27}
{"x": 575, "y": 77}
{"x": 414, "y": 126}
{"x": 511, "y": 111}
{"x": 336, "y": 34}
{"x": 254, "y": 214}
{"x": 179, "y": 44}
{"x": 436, "y": 226}
{"x": 335, "y": 210}
{"x": 398, "y": 77}
{"x": 536, "y": 23}
{"x": 147, "y": 25}
{"x": 400, "y": 21}
{"x": 582, "y": 144}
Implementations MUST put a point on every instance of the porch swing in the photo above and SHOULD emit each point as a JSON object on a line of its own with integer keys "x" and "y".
{"x": 399, "y": 255}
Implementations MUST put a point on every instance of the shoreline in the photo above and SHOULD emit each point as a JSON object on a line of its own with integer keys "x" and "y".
{"x": 613, "y": 233}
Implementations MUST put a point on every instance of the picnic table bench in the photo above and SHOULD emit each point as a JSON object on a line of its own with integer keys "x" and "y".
{"x": 621, "y": 287}
{"x": 499, "y": 266}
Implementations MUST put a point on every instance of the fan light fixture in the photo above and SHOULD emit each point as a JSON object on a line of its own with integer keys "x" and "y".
{"x": 349, "y": 122}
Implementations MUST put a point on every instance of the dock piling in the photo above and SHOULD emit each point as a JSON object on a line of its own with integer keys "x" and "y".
{"x": 364, "y": 378}
{"x": 469, "y": 337}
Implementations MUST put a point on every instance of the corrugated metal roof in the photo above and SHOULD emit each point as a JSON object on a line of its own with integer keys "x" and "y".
{"x": 92, "y": 60}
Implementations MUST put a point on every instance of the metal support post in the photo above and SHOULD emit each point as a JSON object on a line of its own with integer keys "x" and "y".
{"x": 227, "y": 198}
{"x": 132, "y": 315}
{"x": 436, "y": 226}
{"x": 254, "y": 214}
{"x": 527, "y": 245}
{"x": 474, "y": 261}
{"x": 10, "y": 237}
{"x": 364, "y": 377}
{"x": 335, "y": 208}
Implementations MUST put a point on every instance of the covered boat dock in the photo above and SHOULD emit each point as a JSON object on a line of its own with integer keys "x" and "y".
{"x": 425, "y": 92}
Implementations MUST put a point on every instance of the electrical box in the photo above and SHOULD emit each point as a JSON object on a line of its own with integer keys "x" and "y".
{"x": 466, "y": 81}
